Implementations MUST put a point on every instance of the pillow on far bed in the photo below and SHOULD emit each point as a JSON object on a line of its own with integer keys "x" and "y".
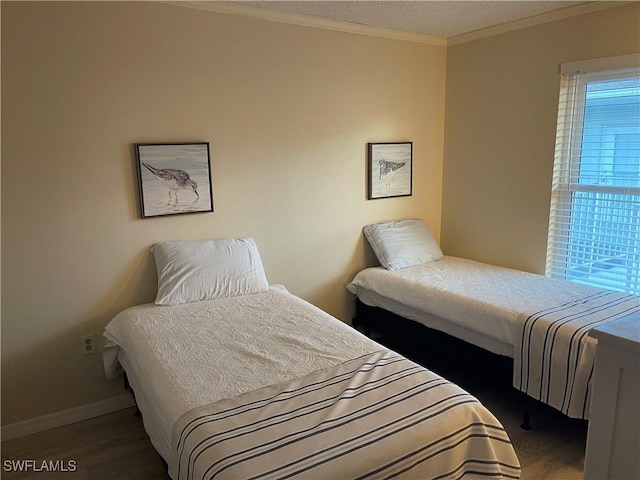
{"x": 190, "y": 271}
{"x": 402, "y": 243}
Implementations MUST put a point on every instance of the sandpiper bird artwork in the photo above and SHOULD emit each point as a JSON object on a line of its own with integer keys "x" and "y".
{"x": 174, "y": 179}
{"x": 387, "y": 167}
{"x": 390, "y": 172}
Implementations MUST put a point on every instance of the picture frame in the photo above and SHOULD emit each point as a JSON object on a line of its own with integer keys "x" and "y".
{"x": 174, "y": 178}
{"x": 390, "y": 169}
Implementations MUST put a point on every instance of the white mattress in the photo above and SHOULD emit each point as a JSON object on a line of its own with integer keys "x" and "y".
{"x": 185, "y": 356}
{"x": 476, "y": 302}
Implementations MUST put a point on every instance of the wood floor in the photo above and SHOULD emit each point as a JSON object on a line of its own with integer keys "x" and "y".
{"x": 115, "y": 446}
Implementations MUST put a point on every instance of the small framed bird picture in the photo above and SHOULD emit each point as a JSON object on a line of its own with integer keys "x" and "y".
{"x": 390, "y": 169}
{"x": 174, "y": 178}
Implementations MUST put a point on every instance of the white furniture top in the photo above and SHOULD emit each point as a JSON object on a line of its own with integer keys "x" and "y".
{"x": 624, "y": 332}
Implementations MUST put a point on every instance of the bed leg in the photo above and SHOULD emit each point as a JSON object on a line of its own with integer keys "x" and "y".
{"x": 526, "y": 423}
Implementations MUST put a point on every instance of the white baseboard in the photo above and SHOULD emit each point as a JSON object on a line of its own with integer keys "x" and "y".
{"x": 66, "y": 417}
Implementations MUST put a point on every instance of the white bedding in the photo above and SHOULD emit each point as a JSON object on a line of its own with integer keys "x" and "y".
{"x": 483, "y": 299}
{"x": 185, "y": 356}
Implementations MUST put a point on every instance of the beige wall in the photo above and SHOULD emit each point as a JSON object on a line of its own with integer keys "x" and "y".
{"x": 501, "y": 108}
{"x": 288, "y": 111}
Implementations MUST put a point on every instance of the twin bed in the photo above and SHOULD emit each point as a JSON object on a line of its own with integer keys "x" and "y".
{"x": 540, "y": 322}
{"x": 236, "y": 378}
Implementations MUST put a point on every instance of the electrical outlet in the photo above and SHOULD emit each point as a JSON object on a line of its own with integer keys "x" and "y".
{"x": 88, "y": 344}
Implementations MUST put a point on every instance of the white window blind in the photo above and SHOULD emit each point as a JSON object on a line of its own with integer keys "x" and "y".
{"x": 594, "y": 226}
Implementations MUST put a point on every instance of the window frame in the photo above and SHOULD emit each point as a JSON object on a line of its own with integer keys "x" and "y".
{"x": 568, "y": 157}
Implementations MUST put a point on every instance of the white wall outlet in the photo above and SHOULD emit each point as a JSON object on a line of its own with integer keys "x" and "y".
{"x": 88, "y": 344}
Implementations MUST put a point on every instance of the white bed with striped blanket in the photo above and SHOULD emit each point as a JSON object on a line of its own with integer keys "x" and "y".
{"x": 497, "y": 308}
{"x": 554, "y": 355}
{"x": 268, "y": 386}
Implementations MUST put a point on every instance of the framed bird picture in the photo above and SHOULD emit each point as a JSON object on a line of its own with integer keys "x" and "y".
{"x": 174, "y": 178}
{"x": 390, "y": 169}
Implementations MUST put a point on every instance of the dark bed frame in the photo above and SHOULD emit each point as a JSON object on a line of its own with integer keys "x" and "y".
{"x": 446, "y": 355}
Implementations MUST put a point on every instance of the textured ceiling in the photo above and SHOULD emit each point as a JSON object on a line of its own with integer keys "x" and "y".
{"x": 442, "y": 18}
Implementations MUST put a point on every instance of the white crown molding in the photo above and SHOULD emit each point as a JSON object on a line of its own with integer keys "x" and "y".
{"x": 66, "y": 417}
{"x": 535, "y": 20}
{"x": 307, "y": 21}
{"x": 225, "y": 7}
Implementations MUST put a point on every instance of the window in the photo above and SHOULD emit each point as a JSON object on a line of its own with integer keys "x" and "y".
{"x": 594, "y": 227}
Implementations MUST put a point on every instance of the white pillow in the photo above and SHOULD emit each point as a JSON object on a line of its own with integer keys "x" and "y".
{"x": 402, "y": 243}
{"x": 190, "y": 271}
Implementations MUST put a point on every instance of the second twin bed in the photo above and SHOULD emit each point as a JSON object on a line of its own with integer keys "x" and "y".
{"x": 540, "y": 322}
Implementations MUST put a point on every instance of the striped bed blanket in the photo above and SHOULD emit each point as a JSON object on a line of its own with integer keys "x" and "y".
{"x": 377, "y": 416}
{"x": 554, "y": 355}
